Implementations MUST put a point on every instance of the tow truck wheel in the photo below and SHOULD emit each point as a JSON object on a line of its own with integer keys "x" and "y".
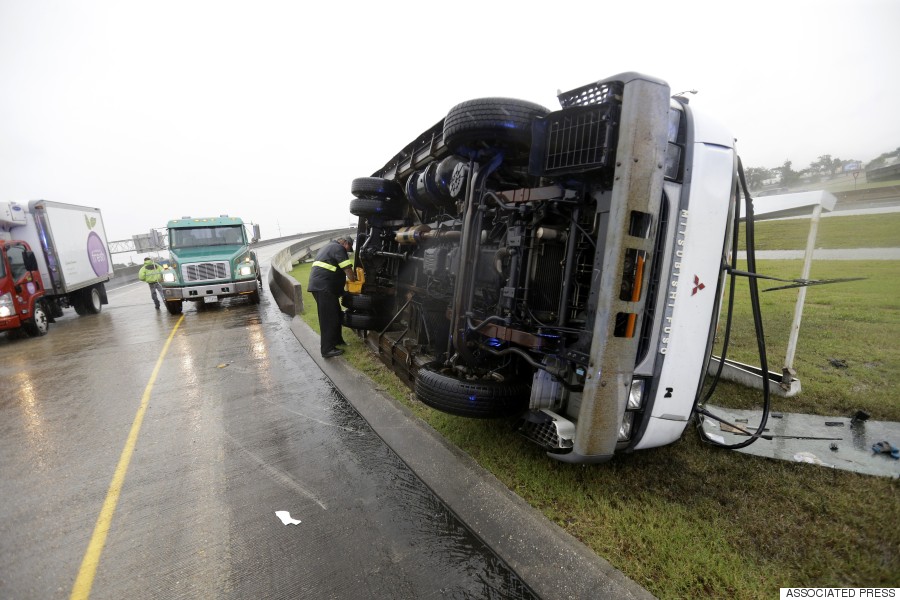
{"x": 477, "y": 398}
{"x": 174, "y": 307}
{"x": 504, "y": 120}
{"x": 376, "y": 187}
{"x": 254, "y": 296}
{"x": 39, "y": 323}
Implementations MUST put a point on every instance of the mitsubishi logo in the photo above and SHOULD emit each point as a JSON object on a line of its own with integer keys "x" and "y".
{"x": 697, "y": 285}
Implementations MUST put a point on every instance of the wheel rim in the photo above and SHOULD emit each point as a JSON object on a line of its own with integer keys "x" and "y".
{"x": 40, "y": 320}
{"x": 95, "y": 300}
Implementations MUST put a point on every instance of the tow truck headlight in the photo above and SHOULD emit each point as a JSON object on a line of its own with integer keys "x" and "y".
{"x": 6, "y": 305}
{"x": 246, "y": 269}
{"x": 636, "y": 395}
{"x": 625, "y": 427}
{"x": 168, "y": 276}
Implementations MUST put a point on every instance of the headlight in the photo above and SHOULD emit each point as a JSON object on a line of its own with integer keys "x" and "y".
{"x": 636, "y": 395}
{"x": 625, "y": 427}
{"x": 246, "y": 269}
{"x": 6, "y": 305}
{"x": 168, "y": 276}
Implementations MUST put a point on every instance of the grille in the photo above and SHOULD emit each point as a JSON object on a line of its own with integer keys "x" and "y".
{"x": 545, "y": 435}
{"x": 592, "y": 93}
{"x": 573, "y": 140}
{"x": 653, "y": 287}
{"x": 206, "y": 271}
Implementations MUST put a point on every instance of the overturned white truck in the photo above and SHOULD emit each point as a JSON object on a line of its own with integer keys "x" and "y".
{"x": 563, "y": 269}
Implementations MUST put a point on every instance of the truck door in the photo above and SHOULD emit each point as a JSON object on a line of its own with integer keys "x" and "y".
{"x": 26, "y": 279}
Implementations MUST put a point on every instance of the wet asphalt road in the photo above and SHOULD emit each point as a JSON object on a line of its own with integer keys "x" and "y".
{"x": 228, "y": 424}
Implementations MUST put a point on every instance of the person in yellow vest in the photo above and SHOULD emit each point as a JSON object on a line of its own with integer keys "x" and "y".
{"x": 152, "y": 273}
{"x": 332, "y": 267}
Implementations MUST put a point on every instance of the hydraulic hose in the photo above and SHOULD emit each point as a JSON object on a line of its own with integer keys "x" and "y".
{"x": 757, "y": 324}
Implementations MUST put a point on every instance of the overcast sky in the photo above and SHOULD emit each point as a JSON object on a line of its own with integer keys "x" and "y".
{"x": 151, "y": 110}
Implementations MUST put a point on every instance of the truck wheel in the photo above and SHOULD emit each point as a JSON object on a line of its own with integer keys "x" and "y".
{"x": 367, "y": 207}
{"x": 76, "y": 300}
{"x": 361, "y": 301}
{"x": 39, "y": 323}
{"x": 479, "y": 399}
{"x": 174, "y": 307}
{"x": 376, "y": 187}
{"x": 364, "y": 321}
{"x": 92, "y": 301}
{"x": 254, "y": 296}
{"x": 504, "y": 120}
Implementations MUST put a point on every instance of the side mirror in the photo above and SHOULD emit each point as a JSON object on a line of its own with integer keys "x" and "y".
{"x": 30, "y": 260}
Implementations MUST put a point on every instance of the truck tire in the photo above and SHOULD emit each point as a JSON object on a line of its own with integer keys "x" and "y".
{"x": 376, "y": 187}
{"x": 76, "y": 301}
{"x": 478, "y": 399}
{"x": 39, "y": 323}
{"x": 502, "y": 120}
{"x": 364, "y": 321}
{"x": 360, "y": 301}
{"x": 93, "y": 301}
{"x": 254, "y": 296}
{"x": 367, "y": 207}
{"x": 174, "y": 307}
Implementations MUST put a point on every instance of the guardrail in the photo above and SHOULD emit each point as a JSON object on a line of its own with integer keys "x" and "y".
{"x": 286, "y": 290}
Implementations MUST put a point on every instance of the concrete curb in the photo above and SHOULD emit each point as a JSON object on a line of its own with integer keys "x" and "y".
{"x": 550, "y": 561}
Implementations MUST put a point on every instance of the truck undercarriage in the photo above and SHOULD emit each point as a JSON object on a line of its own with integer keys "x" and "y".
{"x": 535, "y": 265}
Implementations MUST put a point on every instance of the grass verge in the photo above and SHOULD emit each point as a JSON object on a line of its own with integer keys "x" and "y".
{"x": 855, "y": 231}
{"x": 692, "y": 521}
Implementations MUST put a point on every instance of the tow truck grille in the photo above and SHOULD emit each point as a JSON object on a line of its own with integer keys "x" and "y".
{"x": 206, "y": 271}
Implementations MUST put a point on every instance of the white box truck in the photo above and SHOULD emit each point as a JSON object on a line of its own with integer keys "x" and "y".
{"x": 52, "y": 256}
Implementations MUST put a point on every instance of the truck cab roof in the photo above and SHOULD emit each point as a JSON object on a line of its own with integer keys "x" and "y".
{"x": 204, "y": 222}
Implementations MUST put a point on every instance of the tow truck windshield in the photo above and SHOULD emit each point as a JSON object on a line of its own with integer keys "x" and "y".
{"x": 198, "y": 237}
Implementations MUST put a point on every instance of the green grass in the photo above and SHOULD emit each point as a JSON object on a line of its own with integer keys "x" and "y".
{"x": 846, "y": 183}
{"x": 856, "y": 322}
{"x": 858, "y": 231}
{"x": 692, "y": 521}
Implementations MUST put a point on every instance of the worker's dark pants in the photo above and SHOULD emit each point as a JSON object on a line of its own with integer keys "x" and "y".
{"x": 156, "y": 288}
{"x": 329, "y": 309}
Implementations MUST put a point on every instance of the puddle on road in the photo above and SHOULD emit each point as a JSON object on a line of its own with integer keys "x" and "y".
{"x": 416, "y": 515}
{"x": 833, "y": 442}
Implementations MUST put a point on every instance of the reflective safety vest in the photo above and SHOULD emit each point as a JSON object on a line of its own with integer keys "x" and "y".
{"x": 332, "y": 268}
{"x": 327, "y": 270}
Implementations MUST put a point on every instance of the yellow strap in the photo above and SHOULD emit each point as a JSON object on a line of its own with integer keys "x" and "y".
{"x": 325, "y": 265}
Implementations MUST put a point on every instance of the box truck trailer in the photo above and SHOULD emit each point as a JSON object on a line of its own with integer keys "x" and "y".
{"x": 52, "y": 256}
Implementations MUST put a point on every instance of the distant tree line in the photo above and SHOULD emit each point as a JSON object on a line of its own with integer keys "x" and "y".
{"x": 824, "y": 165}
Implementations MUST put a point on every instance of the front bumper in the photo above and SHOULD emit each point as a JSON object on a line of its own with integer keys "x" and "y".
{"x": 198, "y": 292}
{"x": 10, "y": 322}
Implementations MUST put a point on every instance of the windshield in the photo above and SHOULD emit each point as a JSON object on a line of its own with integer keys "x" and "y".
{"x": 196, "y": 237}
{"x": 15, "y": 253}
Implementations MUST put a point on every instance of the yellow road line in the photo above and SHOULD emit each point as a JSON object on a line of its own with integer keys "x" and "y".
{"x": 82, "y": 588}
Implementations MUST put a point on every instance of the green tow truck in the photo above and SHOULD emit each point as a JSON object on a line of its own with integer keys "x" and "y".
{"x": 211, "y": 260}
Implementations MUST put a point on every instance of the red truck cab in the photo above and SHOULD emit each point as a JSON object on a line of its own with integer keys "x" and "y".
{"x": 21, "y": 290}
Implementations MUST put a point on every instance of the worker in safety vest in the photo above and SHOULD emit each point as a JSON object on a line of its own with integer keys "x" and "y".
{"x": 330, "y": 270}
{"x": 152, "y": 273}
